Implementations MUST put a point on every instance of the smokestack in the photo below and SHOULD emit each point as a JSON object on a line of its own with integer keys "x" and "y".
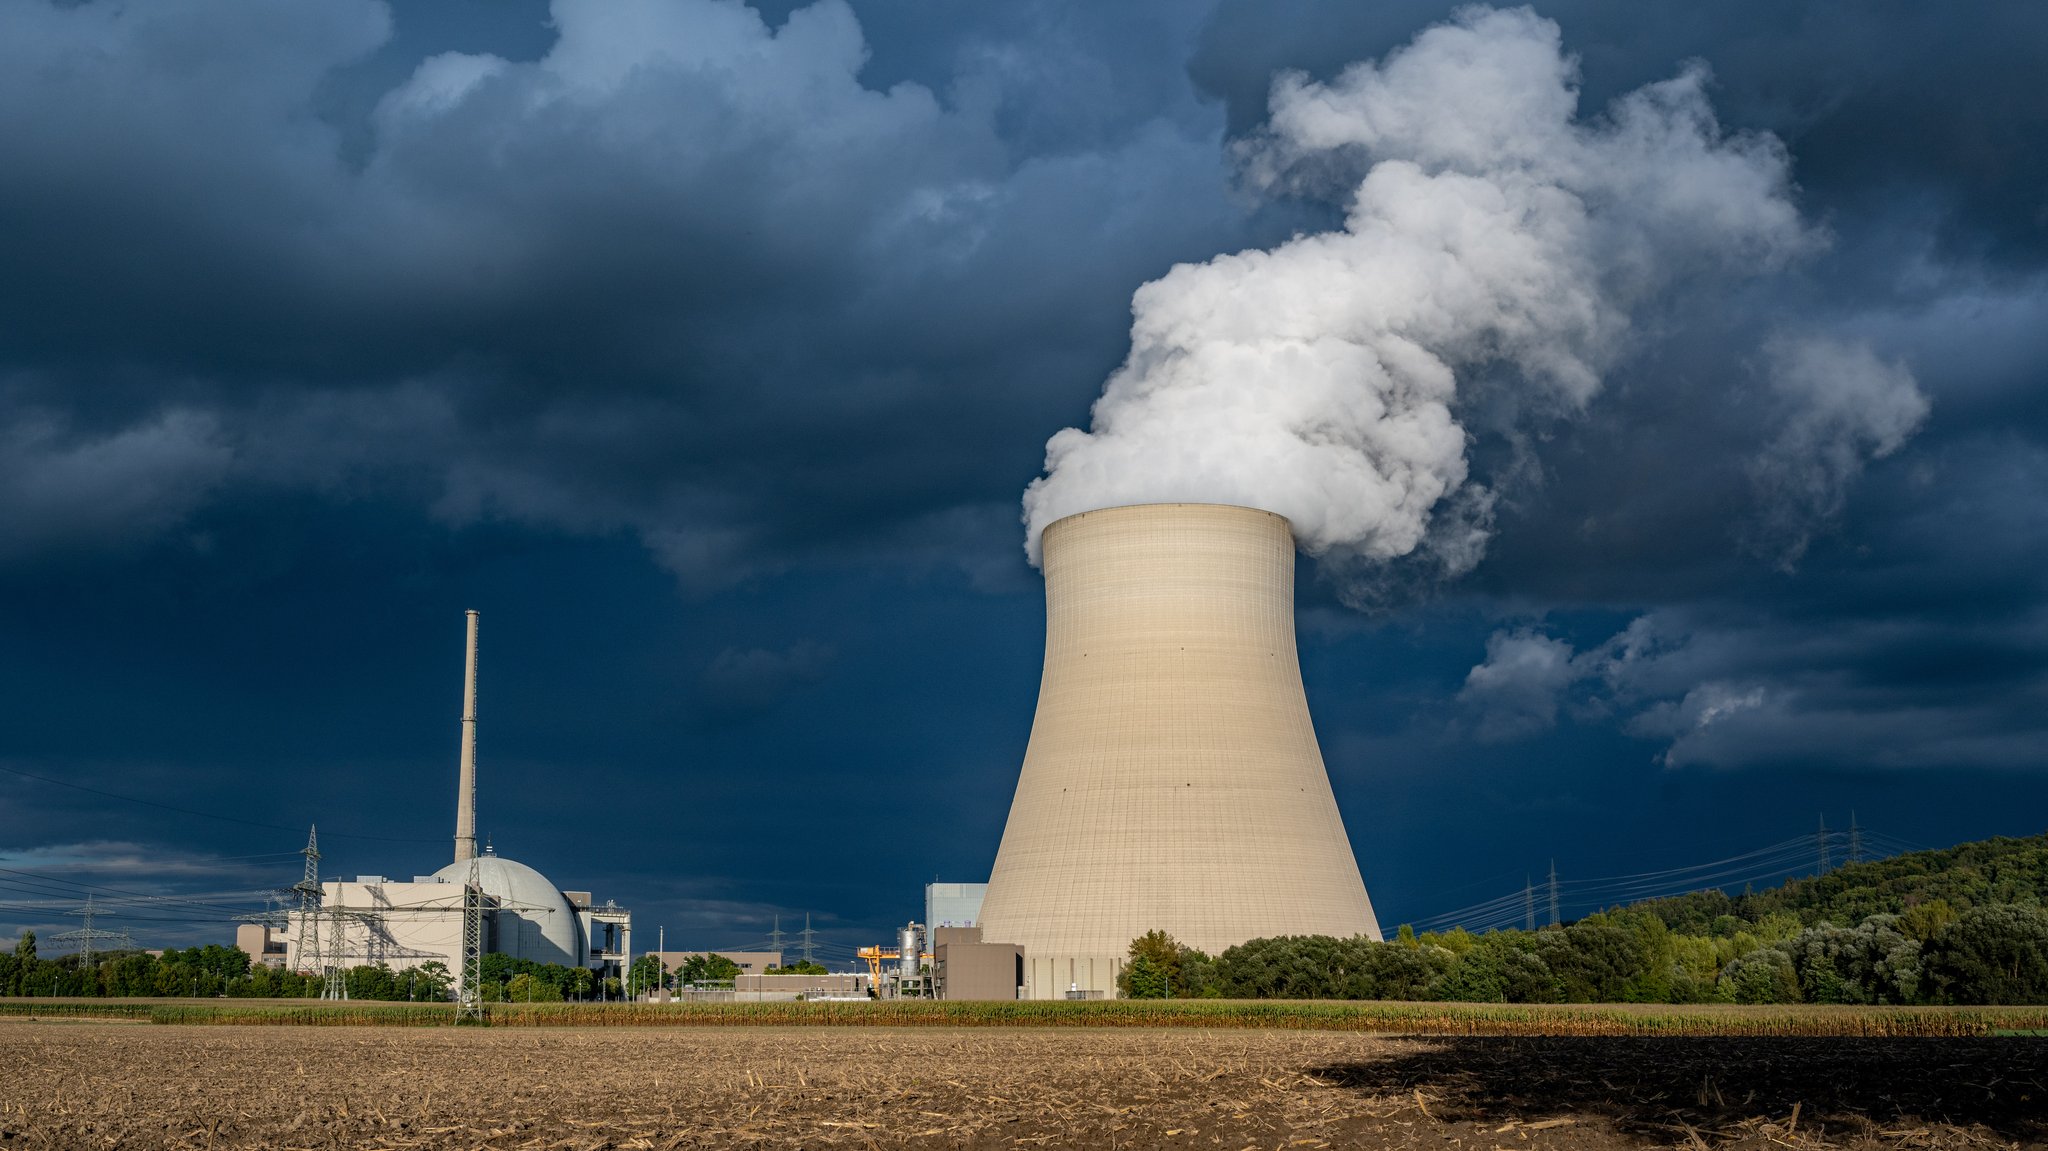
{"x": 1172, "y": 781}
{"x": 465, "y": 789}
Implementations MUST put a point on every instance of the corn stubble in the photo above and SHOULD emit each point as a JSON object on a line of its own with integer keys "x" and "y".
{"x": 105, "y": 1084}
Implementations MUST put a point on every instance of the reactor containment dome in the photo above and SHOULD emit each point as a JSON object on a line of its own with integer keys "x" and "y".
{"x": 533, "y": 918}
{"x": 1172, "y": 781}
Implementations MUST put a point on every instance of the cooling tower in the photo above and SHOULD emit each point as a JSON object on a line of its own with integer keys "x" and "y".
{"x": 1172, "y": 781}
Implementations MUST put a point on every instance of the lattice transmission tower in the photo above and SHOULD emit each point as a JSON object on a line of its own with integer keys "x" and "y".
{"x": 469, "y": 988}
{"x": 86, "y": 937}
{"x": 306, "y": 942}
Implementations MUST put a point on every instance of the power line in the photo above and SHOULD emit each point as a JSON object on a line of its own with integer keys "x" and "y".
{"x": 1784, "y": 858}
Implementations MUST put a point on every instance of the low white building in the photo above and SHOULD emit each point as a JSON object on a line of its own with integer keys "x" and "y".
{"x": 404, "y": 923}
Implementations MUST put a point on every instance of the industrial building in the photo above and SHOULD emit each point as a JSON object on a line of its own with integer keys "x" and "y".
{"x": 1172, "y": 780}
{"x": 953, "y": 904}
{"x": 403, "y": 923}
{"x": 749, "y": 962}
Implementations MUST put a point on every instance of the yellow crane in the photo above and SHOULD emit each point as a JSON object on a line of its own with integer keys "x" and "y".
{"x": 876, "y": 955}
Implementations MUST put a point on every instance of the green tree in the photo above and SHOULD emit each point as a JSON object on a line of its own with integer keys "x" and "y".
{"x": 1922, "y": 920}
{"x": 1154, "y": 968}
{"x": 1990, "y": 955}
{"x": 1765, "y": 975}
{"x": 645, "y": 975}
{"x": 800, "y": 967}
{"x": 1872, "y": 962}
{"x": 579, "y": 983}
{"x": 709, "y": 968}
{"x": 432, "y": 980}
{"x": 1500, "y": 967}
{"x": 531, "y": 987}
{"x": 366, "y": 981}
{"x": 1198, "y": 974}
{"x": 1144, "y": 978}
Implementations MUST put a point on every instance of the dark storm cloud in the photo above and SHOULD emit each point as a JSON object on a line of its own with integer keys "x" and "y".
{"x": 684, "y": 274}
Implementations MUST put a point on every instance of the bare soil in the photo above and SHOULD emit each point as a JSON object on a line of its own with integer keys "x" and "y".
{"x": 96, "y": 1085}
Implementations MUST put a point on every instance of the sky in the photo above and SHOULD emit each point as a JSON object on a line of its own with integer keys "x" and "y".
{"x": 1683, "y": 491}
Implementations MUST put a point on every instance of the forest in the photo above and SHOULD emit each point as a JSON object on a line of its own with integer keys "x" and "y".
{"x": 1961, "y": 925}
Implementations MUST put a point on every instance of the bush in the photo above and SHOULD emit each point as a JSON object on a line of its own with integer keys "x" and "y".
{"x": 1990, "y": 955}
{"x": 1763, "y": 976}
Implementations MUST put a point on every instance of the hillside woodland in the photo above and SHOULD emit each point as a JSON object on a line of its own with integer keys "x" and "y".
{"x": 1962, "y": 925}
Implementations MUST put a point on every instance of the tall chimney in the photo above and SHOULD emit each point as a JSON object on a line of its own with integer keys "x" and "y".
{"x": 1172, "y": 781}
{"x": 465, "y": 790}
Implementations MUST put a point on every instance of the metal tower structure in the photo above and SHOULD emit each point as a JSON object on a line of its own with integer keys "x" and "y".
{"x": 1855, "y": 840}
{"x": 1528, "y": 904}
{"x": 85, "y": 937}
{"x": 1821, "y": 837}
{"x": 469, "y": 985}
{"x": 775, "y": 937}
{"x": 306, "y": 947}
{"x": 1553, "y": 893}
{"x": 809, "y": 940}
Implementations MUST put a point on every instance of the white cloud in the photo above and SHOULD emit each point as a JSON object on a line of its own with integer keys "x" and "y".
{"x": 1319, "y": 379}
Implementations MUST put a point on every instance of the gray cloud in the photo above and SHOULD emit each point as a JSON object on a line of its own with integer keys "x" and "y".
{"x": 1839, "y": 405}
{"x": 683, "y": 275}
{"x": 62, "y": 493}
{"x": 1516, "y": 692}
{"x": 754, "y": 679}
{"x": 1745, "y": 689}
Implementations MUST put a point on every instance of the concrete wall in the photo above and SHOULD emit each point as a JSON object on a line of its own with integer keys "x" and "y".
{"x": 750, "y": 962}
{"x": 807, "y": 985}
{"x": 1172, "y": 780}
{"x": 260, "y": 944}
{"x": 414, "y": 917}
{"x": 978, "y": 970}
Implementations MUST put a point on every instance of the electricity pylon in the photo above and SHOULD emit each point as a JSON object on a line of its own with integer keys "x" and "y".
{"x": 85, "y": 937}
{"x": 306, "y": 944}
{"x": 469, "y": 988}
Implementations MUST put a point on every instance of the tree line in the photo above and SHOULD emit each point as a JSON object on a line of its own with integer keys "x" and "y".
{"x": 213, "y": 971}
{"x": 1965, "y": 925}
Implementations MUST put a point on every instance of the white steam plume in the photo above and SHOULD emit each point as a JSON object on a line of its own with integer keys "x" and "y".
{"x": 1319, "y": 379}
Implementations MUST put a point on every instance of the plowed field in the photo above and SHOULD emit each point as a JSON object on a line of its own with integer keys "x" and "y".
{"x": 106, "y": 1085}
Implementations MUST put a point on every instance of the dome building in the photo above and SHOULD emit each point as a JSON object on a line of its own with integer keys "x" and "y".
{"x": 530, "y": 918}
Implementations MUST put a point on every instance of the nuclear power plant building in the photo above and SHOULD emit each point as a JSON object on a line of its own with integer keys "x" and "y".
{"x": 1172, "y": 780}
{"x": 405, "y": 923}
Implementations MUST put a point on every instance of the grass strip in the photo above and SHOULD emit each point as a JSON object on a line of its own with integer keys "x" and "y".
{"x": 1372, "y": 1017}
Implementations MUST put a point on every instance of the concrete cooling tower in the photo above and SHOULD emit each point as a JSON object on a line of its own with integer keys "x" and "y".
{"x": 1172, "y": 781}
